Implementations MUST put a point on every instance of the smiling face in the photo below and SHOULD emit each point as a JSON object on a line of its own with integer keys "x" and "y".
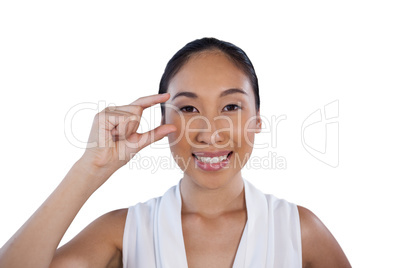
{"x": 212, "y": 105}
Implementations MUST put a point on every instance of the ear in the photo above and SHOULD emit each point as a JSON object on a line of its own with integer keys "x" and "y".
{"x": 258, "y": 122}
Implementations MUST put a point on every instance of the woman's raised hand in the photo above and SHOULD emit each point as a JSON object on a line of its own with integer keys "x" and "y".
{"x": 114, "y": 139}
{"x": 112, "y": 142}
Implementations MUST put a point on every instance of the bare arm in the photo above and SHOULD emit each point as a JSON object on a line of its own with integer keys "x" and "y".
{"x": 98, "y": 245}
{"x": 319, "y": 247}
{"x": 35, "y": 242}
{"x": 113, "y": 141}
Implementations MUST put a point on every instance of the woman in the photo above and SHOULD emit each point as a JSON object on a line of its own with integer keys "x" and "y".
{"x": 212, "y": 217}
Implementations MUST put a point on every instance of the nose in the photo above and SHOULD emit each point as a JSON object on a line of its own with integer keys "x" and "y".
{"x": 209, "y": 131}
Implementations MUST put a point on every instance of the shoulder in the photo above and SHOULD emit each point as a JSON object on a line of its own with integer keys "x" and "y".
{"x": 108, "y": 228}
{"x": 117, "y": 215}
{"x": 320, "y": 248}
{"x": 99, "y": 244}
{"x": 110, "y": 224}
{"x": 113, "y": 222}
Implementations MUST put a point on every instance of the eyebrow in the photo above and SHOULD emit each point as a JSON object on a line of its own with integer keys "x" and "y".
{"x": 224, "y": 93}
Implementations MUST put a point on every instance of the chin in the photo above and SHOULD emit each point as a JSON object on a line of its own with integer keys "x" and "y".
{"x": 211, "y": 180}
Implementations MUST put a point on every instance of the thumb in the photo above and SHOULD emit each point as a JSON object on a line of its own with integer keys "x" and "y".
{"x": 155, "y": 134}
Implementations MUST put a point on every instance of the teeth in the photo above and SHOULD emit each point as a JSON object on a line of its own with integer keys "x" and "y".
{"x": 212, "y": 160}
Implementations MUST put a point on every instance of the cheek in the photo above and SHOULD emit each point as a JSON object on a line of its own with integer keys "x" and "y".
{"x": 179, "y": 147}
{"x": 248, "y": 130}
{"x": 172, "y": 117}
{"x": 250, "y": 139}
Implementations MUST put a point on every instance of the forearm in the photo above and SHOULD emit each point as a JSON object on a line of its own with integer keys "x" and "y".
{"x": 35, "y": 243}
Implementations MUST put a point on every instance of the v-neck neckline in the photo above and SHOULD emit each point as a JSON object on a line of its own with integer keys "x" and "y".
{"x": 240, "y": 251}
{"x": 170, "y": 248}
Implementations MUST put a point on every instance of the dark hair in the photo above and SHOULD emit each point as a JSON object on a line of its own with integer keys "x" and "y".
{"x": 236, "y": 54}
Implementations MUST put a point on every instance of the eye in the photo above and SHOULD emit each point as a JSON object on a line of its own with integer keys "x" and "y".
{"x": 188, "y": 109}
{"x": 231, "y": 107}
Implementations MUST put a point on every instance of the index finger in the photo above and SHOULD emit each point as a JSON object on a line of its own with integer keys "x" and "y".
{"x": 151, "y": 100}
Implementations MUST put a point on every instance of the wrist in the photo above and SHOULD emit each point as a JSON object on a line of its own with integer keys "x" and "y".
{"x": 92, "y": 174}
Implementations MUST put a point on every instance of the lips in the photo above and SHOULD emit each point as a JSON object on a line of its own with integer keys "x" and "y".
{"x": 212, "y": 154}
{"x": 212, "y": 161}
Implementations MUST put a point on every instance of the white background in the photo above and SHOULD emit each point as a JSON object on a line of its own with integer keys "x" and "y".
{"x": 55, "y": 55}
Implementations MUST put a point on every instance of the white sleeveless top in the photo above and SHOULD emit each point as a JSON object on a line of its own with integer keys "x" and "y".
{"x": 153, "y": 236}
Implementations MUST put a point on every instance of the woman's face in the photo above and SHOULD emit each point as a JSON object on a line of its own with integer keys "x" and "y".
{"x": 212, "y": 104}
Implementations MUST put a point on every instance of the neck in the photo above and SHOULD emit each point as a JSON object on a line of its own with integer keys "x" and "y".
{"x": 212, "y": 202}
